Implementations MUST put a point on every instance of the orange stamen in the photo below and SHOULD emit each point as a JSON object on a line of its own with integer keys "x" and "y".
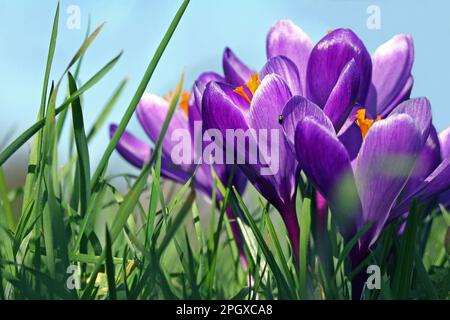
{"x": 184, "y": 101}
{"x": 241, "y": 91}
{"x": 252, "y": 86}
{"x": 363, "y": 123}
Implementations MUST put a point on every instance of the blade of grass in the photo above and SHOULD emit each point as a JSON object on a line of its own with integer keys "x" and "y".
{"x": 132, "y": 197}
{"x": 6, "y": 205}
{"x": 305, "y": 228}
{"x": 33, "y": 158}
{"x": 137, "y": 96}
{"x": 107, "y": 110}
{"x": 283, "y": 286}
{"x": 110, "y": 269}
{"x": 31, "y": 131}
{"x": 82, "y": 148}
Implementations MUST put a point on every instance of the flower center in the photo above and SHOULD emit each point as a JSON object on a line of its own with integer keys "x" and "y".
{"x": 363, "y": 123}
{"x": 184, "y": 100}
{"x": 248, "y": 90}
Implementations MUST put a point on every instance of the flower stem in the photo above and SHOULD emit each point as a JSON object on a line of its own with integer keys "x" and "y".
{"x": 291, "y": 222}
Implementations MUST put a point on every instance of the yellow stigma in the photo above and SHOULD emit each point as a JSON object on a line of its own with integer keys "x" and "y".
{"x": 363, "y": 123}
{"x": 251, "y": 85}
{"x": 184, "y": 100}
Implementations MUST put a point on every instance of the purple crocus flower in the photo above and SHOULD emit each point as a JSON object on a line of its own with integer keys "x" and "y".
{"x": 364, "y": 190}
{"x": 252, "y": 102}
{"x": 151, "y": 112}
{"x": 385, "y": 78}
{"x": 252, "y": 108}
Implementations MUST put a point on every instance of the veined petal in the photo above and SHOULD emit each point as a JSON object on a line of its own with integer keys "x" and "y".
{"x": 428, "y": 160}
{"x": 285, "y": 38}
{"x": 266, "y": 108}
{"x": 444, "y": 138}
{"x": 195, "y": 105}
{"x": 343, "y": 97}
{"x": 392, "y": 65}
{"x": 419, "y": 109}
{"x": 222, "y": 108}
{"x": 351, "y": 138}
{"x": 287, "y": 70}
{"x": 326, "y": 163}
{"x": 328, "y": 59}
{"x": 403, "y": 96}
{"x": 236, "y": 72}
{"x": 386, "y": 159}
{"x": 297, "y": 109}
{"x": 220, "y": 112}
{"x": 151, "y": 112}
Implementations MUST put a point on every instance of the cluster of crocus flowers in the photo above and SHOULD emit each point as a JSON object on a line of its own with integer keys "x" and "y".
{"x": 346, "y": 120}
{"x": 151, "y": 112}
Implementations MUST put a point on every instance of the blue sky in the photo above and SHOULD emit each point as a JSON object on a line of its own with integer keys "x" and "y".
{"x": 137, "y": 26}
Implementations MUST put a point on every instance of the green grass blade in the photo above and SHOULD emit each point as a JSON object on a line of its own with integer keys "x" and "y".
{"x": 305, "y": 228}
{"x": 51, "y": 53}
{"x": 82, "y": 148}
{"x": 132, "y": 197}
{"x": 137, "y": 95}
{"x": 84, "y": 47}
{"x": 110, "y": 269}
{"x": 349, "y": 246}
{"x": 7, "y": 211}
{"x": 31, "y": 131}
{"x": 285, "y": 290}
{"x": 107, "y": 110}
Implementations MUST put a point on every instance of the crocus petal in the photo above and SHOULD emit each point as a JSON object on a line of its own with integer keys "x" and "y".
{"x": 326, "y": 163}
{"x": 222, "y": 108}
{"x": 287, "y": 70}
{"x": 236, "y": 72}
{"x": 392, "y": 64}
{"x": 444, "y": 138}
{"x": 419, "y": 109}
{"x": 295, "y": 110}
{"x": 403, "y": 96}
{"x": 131, "y": 148}
{"x": 352, "y": 139}
{"x": 151, "y": 112}
{"x": 327, "y": 60}
{"x": 266, "y": 108}
{"x": 385, "y": 161}
{"x": 221, "y": 112}
{"x": 285, "y": 38}
{"x": 138, "y": 153}
{"x": 195, "y": 106}
{"x": 428, "y": 160}
{"x": 343, "y": 97}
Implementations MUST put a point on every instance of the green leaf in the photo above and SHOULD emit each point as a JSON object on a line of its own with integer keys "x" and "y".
{"x": 6, "y": 205}
{"x": 405, "y": 257}
{"x": 305, "y": 228}
{"x": 82, "y": 149}
{"x": 98, "y": 123}
{"x": 110, "y": 269}
{"x": 84, "y": 46}
{"x": 349, "y": 246}
{"x": 285, "y": 290}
